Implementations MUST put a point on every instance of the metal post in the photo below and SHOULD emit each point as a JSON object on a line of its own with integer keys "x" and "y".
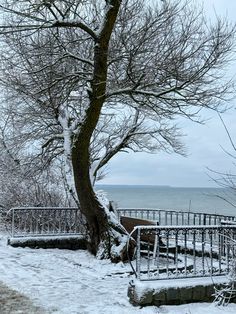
{"x": 167, "y": 253}
{"x": 211, "y": 251}
{"x": 158, "y": 253}
{"x": 176, "y": 252}
{"x": 203, "y": 251}
{"x": 219, "y": 248}
{"x": 188, "y": 218}
{"x": 75, "y": 228}
{"x": 148, "y": 257}
{"x": 215, "y": 220}
{"x": 194, "y": 253}
{"x": 138, "y": 260}
{"x": 204, "y": 219}
{"x": 31, "y": 222}
{"x": 185, "y": 253}
{"x": 227, "y": 242}
{"x": 13, "y": 223}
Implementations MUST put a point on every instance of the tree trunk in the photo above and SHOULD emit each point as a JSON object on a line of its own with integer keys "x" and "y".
{"x": 107, "y": 237}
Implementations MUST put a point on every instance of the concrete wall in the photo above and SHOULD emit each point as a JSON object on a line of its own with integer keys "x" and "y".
{"x": 62, "y": 242}
{"x": 174, "y": 291}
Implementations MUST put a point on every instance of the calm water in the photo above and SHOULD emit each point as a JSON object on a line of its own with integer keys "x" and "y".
{"x": 193, "y": 199}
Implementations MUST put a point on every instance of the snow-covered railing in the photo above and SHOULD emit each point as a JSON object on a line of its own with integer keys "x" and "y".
{"x": 181, "y": 251}
{"x": 45, "y": 221}
{"x": 174, "y": 217}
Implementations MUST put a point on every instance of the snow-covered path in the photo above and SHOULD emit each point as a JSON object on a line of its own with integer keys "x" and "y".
{"x": 69, "y": 282}
{"x": 65, "y": 281}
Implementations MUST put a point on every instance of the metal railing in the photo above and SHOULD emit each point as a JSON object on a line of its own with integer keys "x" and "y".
{"x": 180, "y": 251}
{"x": 30, "y": 221}
{"x": 173, "y": 217}
{"x": 45, "y": 221}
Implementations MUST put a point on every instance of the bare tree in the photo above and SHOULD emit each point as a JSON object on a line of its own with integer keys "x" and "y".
{"x": 226, "y": 179}
{"x": 46, "y": 109}
{"x": 148, "y": 64}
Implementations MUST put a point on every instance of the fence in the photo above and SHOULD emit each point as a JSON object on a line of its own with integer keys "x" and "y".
{"x": 53, "y": 221}
{"x": 180, "y": 251}
{"x": 45, "y": 221}
{"x": 201, "y": 246}
{"x": 172, "y": 217}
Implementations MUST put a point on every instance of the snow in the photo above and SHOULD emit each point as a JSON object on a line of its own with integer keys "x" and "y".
{"x": 92, "y": 171}
{"x": 119, "y": 245}
{"x": 74, "y": 282}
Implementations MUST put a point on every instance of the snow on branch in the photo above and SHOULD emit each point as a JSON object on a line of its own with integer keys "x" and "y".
{"x": 75, "y": 23}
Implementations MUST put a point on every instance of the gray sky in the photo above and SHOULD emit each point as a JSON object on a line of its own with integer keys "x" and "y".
{"x": 203, "y": 143}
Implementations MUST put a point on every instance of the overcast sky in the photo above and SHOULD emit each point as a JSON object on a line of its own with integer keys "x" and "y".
{"x": 203, "y": 143}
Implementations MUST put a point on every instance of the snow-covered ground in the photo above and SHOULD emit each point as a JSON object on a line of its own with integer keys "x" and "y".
{"x": 69, "y": 282}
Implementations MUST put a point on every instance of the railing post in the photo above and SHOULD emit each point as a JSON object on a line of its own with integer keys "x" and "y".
{"x": 204, "y": 219}
{"x": 203, "y": 250}
{"x": 176, "y": 252}
{"x": 13, "y": 223}
{"x": 194, "y": 253}
{"x": 138, "y": 259}
{"x": 185, "y": 231}
{"x": 167, "y": 252}
{"x": 220, "y": 247}
{"x": 194, "y": 219}
{"x": 211, "y": 250}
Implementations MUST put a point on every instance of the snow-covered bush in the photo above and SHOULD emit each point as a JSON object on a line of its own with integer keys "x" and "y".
{"x": 22, "y": 186}
{"x": 227, "y": 293}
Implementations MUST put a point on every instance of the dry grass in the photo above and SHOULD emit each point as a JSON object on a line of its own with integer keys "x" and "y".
{"x": 12, "y": 302}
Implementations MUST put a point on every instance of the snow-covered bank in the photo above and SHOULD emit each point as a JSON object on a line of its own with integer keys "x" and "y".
{"x": 74, "y": 282}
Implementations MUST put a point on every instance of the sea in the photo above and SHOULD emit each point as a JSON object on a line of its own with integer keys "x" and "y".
{"x": 204, "y": 200}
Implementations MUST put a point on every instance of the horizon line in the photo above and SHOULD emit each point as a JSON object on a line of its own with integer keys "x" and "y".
{"x": 158, "y": 185}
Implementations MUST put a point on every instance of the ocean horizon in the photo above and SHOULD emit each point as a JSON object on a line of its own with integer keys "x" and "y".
{"x": 196, "y": 199}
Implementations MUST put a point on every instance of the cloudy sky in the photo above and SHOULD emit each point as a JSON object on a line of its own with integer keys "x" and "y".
{"x": 203, "y": 142}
